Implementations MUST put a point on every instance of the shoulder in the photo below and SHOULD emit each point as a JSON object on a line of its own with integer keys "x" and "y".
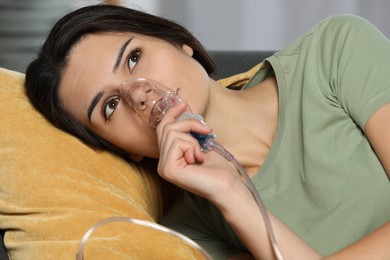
{"x": 345, "y": 33}
{"x": 344, "y": 18}
{"x": 345, "y": 24}
{"x": 329, "y": 32}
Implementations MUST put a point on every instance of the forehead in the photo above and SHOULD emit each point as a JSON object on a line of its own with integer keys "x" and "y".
{"x": 100, "y": 51}
{"x": 90, "y": 65}
{"x": 97, "y": 47}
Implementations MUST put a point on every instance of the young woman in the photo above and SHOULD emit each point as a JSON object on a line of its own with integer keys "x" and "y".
{"x": 311, "y": 128}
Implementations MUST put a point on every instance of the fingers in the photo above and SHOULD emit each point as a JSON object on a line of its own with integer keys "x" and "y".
{"x": 172, "y": 116}
{"x": 170, "y": 129}
{"x": 180, "y": 144}
{"x": 177, "y": 155}
{"x": 178, "y": 149}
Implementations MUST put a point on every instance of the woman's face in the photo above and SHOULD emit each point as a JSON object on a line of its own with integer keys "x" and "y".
{"x": 99, "y": 63}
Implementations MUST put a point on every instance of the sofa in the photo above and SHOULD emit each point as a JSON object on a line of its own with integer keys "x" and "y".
{"x": 53, "y": 188}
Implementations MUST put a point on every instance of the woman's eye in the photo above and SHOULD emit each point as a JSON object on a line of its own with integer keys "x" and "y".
{"x": 110, "y": 106}
{"x": 134, "y": 57}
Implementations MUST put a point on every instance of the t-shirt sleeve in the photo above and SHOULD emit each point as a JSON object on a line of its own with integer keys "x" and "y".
{"x": 353, "y": 58}
{"x": 201, "y": 221}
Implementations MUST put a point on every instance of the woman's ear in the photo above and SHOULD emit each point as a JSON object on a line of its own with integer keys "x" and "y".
{"x": 136, "y": 157}
{"x": 187, "y": 50}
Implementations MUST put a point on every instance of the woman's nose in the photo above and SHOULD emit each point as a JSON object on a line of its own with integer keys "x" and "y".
{"x": 136, "y": 93}
{"x": 149, "y": 99}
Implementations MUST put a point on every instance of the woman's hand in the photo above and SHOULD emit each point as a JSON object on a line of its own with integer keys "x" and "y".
{"x": 183, "y": 163}
{"x": 209, "y": 175}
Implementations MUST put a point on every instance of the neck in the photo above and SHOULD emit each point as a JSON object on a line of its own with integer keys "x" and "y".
{"x": 244, "y": 121}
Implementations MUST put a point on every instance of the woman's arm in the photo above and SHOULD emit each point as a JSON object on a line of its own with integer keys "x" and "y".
{"x": 372, "y": 63}
{"x": 375, "y": 245}
{"x": 378, "y": 133}
{"x": 210, "y": 176}
{"x": 242, "y": 213}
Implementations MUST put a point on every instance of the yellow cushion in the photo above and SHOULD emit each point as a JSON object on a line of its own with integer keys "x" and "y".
{"x": 240, "y": 79}
{"x": 53, "y": 188}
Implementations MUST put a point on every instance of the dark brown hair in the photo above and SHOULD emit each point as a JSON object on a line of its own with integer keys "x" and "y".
{"x": 43, "y": 75}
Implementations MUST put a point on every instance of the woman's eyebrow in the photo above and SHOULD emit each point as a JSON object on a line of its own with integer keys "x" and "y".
{"x": 120, "y": 54}
{"x": 93, "y": 104}
{"x": 99, "y": 95}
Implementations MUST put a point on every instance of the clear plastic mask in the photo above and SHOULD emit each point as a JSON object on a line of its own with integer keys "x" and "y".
{"x": 149, "y": 99}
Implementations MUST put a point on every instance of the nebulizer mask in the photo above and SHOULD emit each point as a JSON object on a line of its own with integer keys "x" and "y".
{"x": 151, "y": 101}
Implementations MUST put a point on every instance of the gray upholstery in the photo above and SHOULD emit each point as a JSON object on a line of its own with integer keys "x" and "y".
{"x": 3, "y": 252}
{"x": 234, "y": 62}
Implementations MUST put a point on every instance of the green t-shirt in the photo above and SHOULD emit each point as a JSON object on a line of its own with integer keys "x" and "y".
{"x": 321, "y": 176}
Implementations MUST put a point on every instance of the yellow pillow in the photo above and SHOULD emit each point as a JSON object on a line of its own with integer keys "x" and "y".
{"x": 53, "y": 188}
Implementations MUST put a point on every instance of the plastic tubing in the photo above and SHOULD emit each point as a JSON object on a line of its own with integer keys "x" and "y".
{"x": 211, "y": 145}
{"x": 80, "y": 255}
{"x": 208, "y": 143}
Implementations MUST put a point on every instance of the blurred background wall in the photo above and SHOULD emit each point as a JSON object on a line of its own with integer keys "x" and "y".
{"x": 219, "y": 24}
